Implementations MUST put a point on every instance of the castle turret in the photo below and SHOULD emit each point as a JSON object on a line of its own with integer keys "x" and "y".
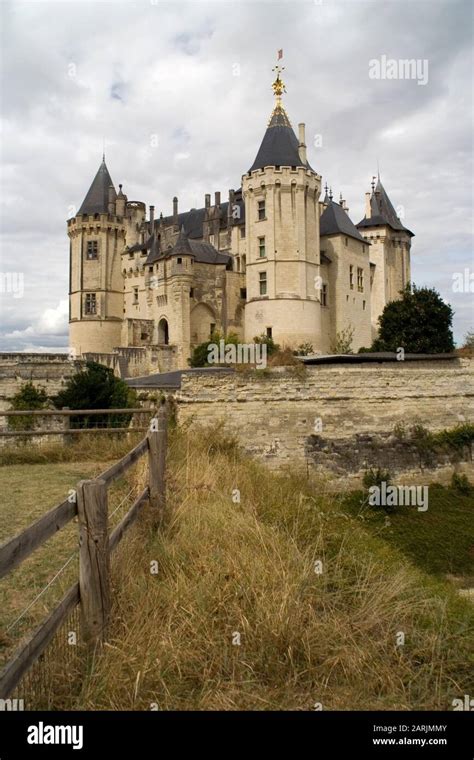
{"x": 389, "y": 250}
{"x": 281, "y": 192}
{"x": 97, "y": 235}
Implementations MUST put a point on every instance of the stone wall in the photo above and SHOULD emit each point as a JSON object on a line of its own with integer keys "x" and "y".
{"x": 275, "y": 413}
{"x": 47, "y": 370}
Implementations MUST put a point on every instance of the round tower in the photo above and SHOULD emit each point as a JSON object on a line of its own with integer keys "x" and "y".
{"x": 281, "y": 193}
{"x": 97, "y": 237}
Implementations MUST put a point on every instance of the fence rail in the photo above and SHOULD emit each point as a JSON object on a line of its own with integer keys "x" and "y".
{"x": 92, "y": 591}
{"x": 66, "y": 415}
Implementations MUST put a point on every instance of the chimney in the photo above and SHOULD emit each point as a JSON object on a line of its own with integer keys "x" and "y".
{"x": 152, "y": 218}
{"x": 111, "y": 200}
{"x": 175, "y": 213}
{"x": 217, "y": 199}
{"x": 230, "y": 208}
{"x": 302, "y": 143}
{"x": 368, "y": 212}
{"x": 207, "y": 200}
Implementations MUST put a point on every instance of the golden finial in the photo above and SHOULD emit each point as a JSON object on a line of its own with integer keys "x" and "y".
{"x": 278, "y": 86}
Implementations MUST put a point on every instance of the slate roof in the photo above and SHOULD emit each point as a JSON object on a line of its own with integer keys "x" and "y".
{"x": 193, "y": 220}
{"x": 382, "y": 212}
{"x": 334, "y": 220}
{"x": 279, "y": 145}
{"x": 97, "y": 198}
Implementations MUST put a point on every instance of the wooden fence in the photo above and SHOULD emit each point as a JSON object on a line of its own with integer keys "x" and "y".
{"x": 92, "y": 590}
{"x": 66, "y": 414}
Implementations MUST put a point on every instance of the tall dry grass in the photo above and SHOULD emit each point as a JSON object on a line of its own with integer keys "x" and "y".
{"x": 248, "y": 568}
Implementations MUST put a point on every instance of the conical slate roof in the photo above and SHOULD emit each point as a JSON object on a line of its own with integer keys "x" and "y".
{"x": 279, "y": 145}
{"x": 182, "y": 246}
{"x": 334, "y": 220}
{"x": 382, "y": 211}
{"x": 97, "y": 198}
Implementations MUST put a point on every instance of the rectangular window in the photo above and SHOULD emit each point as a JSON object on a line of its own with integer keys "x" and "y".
{"x": 351, "y": 277}
{"x": 135, "y": 295}
{"x": 261, "y": 247}
{"x": 92, "y": 249}
{"x": 243, "y": 293}
{"x": 363, "y": 305}
{"x": 180, "y": 261}
{"x": 262, "y": 277}
{"x": 269, "y": 332}
{"x": 261, "y": 210}
{"x": 324, "y": 294}
{"x": 212, "y": 329}
{"x": 91, "y": 303}
{"x": 191, "y": 292}
{"x": 242, "y": 232}
{"x": 360, "y": 279}
{"x": 345, "y": 241}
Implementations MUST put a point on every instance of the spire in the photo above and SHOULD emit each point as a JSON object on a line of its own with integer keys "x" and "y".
{"x": 326, "y": 196}
{"x": 97, "y": 198}
{"x": 382, "y": 211}
{"x": 182, "y": 246}
{"x": 280, "y": 145}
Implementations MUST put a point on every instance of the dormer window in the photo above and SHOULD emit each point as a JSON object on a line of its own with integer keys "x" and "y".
{"x": 92, "y": 251}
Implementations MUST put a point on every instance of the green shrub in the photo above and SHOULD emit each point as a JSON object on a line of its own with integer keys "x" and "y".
{"x": 375, "y": 477}
{"x": 461, "y": 484}
{"x": 28, "y": 397}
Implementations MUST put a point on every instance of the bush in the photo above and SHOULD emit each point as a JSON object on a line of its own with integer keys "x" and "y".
{"x": 375, "y": 477}
{"x": 272, "y": 347}
{"x": 304, "y": 349}
{"x": 28, "y": 397}
{"x": 461, "y": 484}
{"x": 96, "y": 387}
{"x": 343, "y": 341}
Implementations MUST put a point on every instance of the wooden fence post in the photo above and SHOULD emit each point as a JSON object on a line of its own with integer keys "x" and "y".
{"x": 157, "y": 445}
{"x": 94, "y": 559}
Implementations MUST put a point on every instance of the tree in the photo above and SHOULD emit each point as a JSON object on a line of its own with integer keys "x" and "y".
{"x": 96, "y": 387}
{"x": 28, "y": 397}
{"x": 200, "y": 354}
{"x": 420, "y": 323}
{"x": 469, "y": 340}
{"x": 343, "y": 341}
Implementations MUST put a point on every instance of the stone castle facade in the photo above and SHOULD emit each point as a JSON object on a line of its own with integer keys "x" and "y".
{"x": 272, "y": 259}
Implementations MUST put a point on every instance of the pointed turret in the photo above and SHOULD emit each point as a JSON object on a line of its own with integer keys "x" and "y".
{"x": 380, "y": 211}
{"x": 280, "y": 146}
{"x": 334, "y": 220}
{"x": 182, "y": 246}
{"x": 97, "y": 198}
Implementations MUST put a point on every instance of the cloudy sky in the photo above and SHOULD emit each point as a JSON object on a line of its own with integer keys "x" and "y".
{"x": 181, "y": 93}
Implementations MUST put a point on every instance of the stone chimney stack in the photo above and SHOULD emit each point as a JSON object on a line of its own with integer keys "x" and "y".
{"x": 207, "y": 200}
{"x": 175, "y": 214}
{"x": 111, "y": 203}
{"x": 217, "y": 199}
{"x": 368, "y": 212}
{"x": 152, "y": 218}
{"x": 302, "y": 143}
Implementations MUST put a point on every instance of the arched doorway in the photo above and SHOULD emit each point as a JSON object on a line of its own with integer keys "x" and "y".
{"x": 163, "y": 332}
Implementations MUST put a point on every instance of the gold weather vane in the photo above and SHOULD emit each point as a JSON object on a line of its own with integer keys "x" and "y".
{"x": 278, "y": 85}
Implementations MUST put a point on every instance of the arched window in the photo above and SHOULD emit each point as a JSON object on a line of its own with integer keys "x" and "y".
{"x": 163, "y": 334}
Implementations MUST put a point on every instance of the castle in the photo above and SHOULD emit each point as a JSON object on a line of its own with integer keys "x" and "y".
{"x": 271, "y": 260}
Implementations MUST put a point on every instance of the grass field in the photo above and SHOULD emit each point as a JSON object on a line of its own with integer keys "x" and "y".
{"x": 271, "y": 593}
{"x": 28, "y": 491}
{"x": 440, "y": 540}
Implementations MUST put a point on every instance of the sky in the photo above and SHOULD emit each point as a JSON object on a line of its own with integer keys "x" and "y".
{"x": 180, "y": 95}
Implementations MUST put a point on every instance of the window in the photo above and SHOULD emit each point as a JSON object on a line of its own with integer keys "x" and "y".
{"x": 243, "y": 293}
{"x": 345, "y": 241}
{"x": 135, "y": 295}
{"x": 212, "y": 329}
{"x": 363, "y": 305}
{"x": 262, "y": 277}
{"x": 351, "y": 277}
{"x": 242, "y": 232}
{"x": 179, "y": 260}
{"x": 91, "y": 303}
{"x": 360, "y": 279}
{"x": 92, "y": 249}
{"x": 150, "y": 269}
{"x": 324, "y": 294}
{"x": 261, "y": 247}
{"x": 269, "y": 332}
{"x": 191, "y": 292}
{"x": 261, "y": 210}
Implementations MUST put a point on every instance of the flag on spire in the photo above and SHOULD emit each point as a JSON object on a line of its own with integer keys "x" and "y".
{"x": 280, "y": 54}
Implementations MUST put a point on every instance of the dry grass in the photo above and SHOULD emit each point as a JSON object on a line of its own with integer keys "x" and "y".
{"x": 248, "y": 568}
